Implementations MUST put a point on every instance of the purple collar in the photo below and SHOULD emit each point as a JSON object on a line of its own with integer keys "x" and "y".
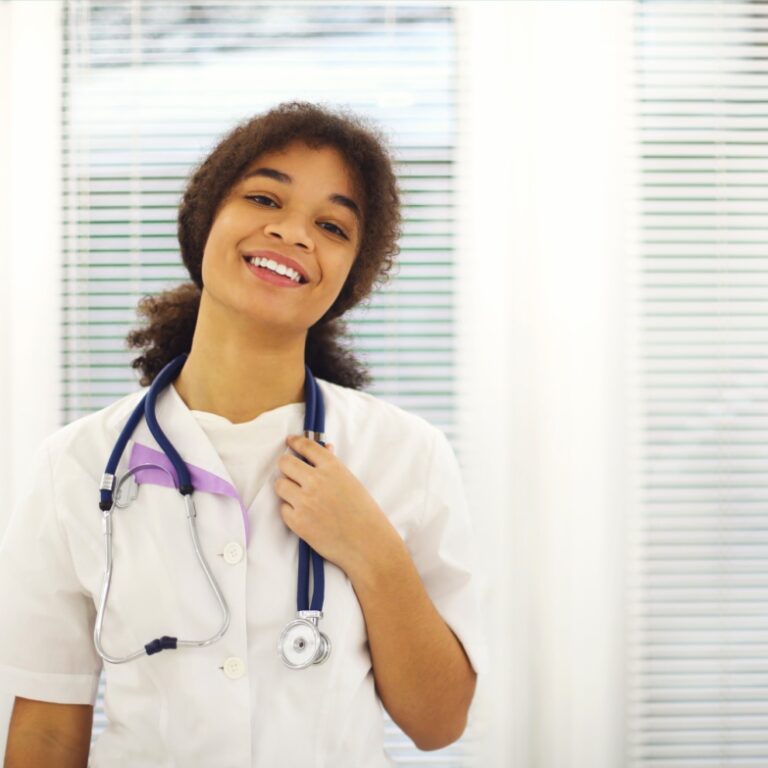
{"x": 202, "y": 480}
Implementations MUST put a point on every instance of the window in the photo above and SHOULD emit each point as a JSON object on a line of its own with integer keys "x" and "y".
{"x": 699, "y": 640}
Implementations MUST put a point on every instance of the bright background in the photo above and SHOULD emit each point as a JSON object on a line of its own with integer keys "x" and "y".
{"x": 590, "y": 283}
{"x": 541, "y": 237}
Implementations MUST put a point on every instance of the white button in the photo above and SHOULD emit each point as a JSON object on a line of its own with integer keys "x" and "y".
{"x": 234, "y": 668}
{"x": 233, "y": 553}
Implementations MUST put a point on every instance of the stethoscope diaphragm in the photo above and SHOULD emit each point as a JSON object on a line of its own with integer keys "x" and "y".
{"x": 301, "y": 643}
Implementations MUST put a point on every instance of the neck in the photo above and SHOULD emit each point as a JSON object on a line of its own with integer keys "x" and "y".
{"x": 239, "y": 372}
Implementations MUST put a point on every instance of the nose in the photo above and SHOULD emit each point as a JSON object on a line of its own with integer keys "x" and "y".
{"x": 290, "y": 228}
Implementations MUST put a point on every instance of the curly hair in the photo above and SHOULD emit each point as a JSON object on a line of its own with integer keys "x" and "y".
{"x": 170, "y": 316}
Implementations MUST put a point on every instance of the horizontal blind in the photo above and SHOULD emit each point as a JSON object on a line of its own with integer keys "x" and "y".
{"x": 698, "y": 666}
{"x": 150, "y": 86}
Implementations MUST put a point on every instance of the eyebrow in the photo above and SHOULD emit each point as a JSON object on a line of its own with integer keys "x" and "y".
{"x": 284, "y": 178}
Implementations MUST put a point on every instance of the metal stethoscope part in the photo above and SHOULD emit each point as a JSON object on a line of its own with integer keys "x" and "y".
{"x": 301, "y": 643}
{"x": 165, "y": 641}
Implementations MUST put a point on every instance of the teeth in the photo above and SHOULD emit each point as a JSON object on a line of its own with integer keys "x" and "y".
{"x": 280, "y": 269}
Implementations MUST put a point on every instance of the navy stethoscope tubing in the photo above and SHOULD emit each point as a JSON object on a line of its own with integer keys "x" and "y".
{"x": 314, "y": 421}
{"x": 309, "y": 646}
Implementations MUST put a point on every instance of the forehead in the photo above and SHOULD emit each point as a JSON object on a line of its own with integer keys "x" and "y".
{"x": 300, "y": 161}
{"x": 297, "y": 156}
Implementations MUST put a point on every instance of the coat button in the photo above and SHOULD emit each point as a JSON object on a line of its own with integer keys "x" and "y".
{"x": 234, "y": 668}
{"x": 233, "y": 553}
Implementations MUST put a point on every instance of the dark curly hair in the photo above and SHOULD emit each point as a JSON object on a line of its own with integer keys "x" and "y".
{"x": 171, "y": 315}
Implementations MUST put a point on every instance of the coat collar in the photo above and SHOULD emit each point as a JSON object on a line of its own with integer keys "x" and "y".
{"x": 180, "y": 427}
{"x": 188, "y": 437}
{"x": 342, "y": 417}
{"x": 207, "y": 471}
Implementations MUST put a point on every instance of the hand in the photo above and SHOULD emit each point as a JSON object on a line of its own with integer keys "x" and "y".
{"x": 327, "y": 506}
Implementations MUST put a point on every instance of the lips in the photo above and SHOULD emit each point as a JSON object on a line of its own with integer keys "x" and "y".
{"x": 280, "y": 259}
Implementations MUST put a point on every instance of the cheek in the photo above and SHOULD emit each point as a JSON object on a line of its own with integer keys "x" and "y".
{"x": 218, "y": 243}
{"x": 208, "y": 269}
{"x": 348, "y": 271}
{"x": 341, "y": 281}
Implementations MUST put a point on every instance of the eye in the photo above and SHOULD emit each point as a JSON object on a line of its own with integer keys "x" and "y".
{"x": 328, "y": 226}
{"x": 261, "y": 200}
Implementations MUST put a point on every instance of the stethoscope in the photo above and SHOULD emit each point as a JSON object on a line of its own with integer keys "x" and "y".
{"x": 301, "y": 643}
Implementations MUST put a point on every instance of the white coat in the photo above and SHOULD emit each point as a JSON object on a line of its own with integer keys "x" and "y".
{"x": 232, "y": 704}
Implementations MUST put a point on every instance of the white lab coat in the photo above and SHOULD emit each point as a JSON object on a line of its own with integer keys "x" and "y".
{"x": 232, "y": 704}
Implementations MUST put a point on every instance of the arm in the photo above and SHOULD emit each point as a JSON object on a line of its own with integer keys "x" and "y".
{"x": 46, "y": 734}
{"x": 422, "y": 673}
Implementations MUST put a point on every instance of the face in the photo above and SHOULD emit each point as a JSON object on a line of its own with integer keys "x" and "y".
{"x": 298, "y": 206}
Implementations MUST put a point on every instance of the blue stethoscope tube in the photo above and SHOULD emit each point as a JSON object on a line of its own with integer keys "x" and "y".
{"x": 314, "y": 425}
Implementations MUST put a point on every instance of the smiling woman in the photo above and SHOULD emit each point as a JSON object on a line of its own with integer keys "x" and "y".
{"x": 260, "y": 169}
{"x": 286, "y": 219}
{"x": 290, "y": 221}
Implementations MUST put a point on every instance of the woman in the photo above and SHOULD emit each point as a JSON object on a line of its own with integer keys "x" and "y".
{"x": 286, "y": 225}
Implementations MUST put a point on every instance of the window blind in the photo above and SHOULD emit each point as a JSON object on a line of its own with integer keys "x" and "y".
{"x": 698, "y": 637}
{"x": 149, "y": 87}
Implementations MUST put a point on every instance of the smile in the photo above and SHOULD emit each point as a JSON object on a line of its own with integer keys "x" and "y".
{"x": 271, "y": 272}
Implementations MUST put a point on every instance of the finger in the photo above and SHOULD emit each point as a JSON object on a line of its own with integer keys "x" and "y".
{"x": 287, "y": 490}
{"x": 308, "y": 448}
{"x": 291, "y": 518}
{"x": 294, "y": 468}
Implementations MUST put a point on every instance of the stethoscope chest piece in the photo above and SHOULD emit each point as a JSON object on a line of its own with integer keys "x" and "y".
{"x": 301, "y": 643}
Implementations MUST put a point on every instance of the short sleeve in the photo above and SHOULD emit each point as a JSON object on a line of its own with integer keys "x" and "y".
{"x": 443, "y": 550}
{"x": 46, "y": 647}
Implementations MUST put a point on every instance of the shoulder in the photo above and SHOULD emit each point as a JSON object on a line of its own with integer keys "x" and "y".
{"x": 94, "y": 431}
{"x": 356, "y": 411}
